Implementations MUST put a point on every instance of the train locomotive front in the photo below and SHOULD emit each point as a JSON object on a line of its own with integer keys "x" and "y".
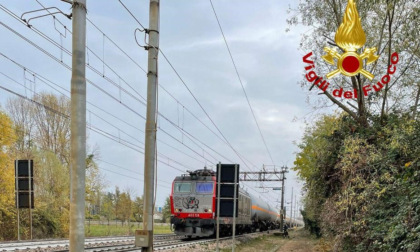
{"x": 193, "y": 203}
{"x": 193, "y": 207}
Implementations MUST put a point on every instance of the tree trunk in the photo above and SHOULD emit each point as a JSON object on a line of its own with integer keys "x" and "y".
{"x": 416, "y": 103}
{"x": 391, "y": 18}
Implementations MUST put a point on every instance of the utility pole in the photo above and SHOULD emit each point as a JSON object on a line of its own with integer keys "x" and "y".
{"x": 78, "y": 128}
{"x": 282, "y": 213}
{"x": 294, "y": 212}
{"x": 151, "y": 118}
{"x": 291, "y": 208}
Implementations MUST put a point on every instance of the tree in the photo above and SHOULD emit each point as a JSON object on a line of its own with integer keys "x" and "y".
{"x": 362, "y": 183}
{"x": 117, "y": 205}
{"x": 52, "y": 190}
{"x": 166, "y": 211}
{"x": 94, "y": 186}
{"x": 7, "y": 207}
{"x": 125, "y": 207}
{"x": 20, "y": 110}
{"x": 42, "y": 129}
{"x": 107, "y": 209}
{"x": 138, "y": 209}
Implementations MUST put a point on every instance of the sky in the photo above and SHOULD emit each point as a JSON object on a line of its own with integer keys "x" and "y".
{"x": 267, "y": 57}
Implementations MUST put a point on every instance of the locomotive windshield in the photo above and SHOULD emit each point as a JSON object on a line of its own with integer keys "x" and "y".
{"x": 182, "y": 187}
{"x": 204, "y": 187}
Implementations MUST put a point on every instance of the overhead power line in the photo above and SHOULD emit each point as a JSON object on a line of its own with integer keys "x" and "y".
{"x": 202, "y": 108}
{"x": 128, "y": 10}
{"x": 195, "y": 98}
{"x": 93, "y": 69}
{"x": 240, "y": 81}
{"x": 101, "y": 132}
{"x": 99, "y": 167}
{"x": 96, "y": 71}
{"x": 92, "y": 83}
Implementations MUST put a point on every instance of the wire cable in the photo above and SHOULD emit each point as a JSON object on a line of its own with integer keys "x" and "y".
{"x": 195, "y": 98}
{"x": 88, "y": 81}
{"x": 26, "y": 69}
{"x": 126, "y": 54}
{"x": 240, "y": 81}
{"x": 99, "y": 131}
{"x": 132, "y": 14}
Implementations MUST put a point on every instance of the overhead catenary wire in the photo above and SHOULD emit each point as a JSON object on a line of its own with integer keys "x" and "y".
{"x": 97, "y": 71}
{"x": 97, "y": 56}
{"x": 195, "y": 98}
{"x": 121, "y": 167}
{"x": 202, "y": 108}
{"x": 140, "y": 99}
{"x": 240, "y": 81}
{"x": 165, "y": 132}
{"x": 96, "y": 158}
{"x": 87, "y": 80}
{"x": 101, "y": 132}
{"x": 44, "y": 80}
{"x": 139, "y": 66}
{"x": 99, "y": 167}
{"x": 93, "y": 69}
{"x": 132, "y": 15}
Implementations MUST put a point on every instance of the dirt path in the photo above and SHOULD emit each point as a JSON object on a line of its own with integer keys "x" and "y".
{"x": 300, "y": 241}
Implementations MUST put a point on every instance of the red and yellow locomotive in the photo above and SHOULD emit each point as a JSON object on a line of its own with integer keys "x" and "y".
{"x": 193, "y": 208}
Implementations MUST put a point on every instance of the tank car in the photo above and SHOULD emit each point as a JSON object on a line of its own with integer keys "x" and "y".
{"x": 193, "y": 208}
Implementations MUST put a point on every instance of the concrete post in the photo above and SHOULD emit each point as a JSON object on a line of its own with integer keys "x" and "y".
{"x": 151, "y": 118}
{"x": 78, "y": 128}
{"x": 235, "y": 195}
{"x": 291, "y": 209}
{"x": 282, "y": 212}
{"x": 218, "y": 207}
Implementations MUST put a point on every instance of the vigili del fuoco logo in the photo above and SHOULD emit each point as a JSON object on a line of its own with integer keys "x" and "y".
{"x": 350, "y": 37}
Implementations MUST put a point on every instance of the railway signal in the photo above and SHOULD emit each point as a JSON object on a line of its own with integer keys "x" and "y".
{"x": 227, "y": 197}
{"x": 24, "y": 187}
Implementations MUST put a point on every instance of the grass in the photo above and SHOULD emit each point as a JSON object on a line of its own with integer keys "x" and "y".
{"x": 95, "y": 230}
{"x": 261, "y": 243}
{"x": 300, "y": 241}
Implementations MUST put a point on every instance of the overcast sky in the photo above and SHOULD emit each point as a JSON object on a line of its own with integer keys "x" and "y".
{"x": 268, "y": 60}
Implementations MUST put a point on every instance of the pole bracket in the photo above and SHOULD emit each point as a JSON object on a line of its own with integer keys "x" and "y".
{"x": 58, "y": 11}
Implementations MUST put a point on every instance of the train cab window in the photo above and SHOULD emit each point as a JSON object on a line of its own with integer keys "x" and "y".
{"x": 182, "y": 187}
{"x": 204, "y": 187}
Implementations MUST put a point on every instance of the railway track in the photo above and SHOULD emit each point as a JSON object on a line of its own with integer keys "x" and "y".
{"x": 124, "y": 243}
{"x": 63, "y": 244}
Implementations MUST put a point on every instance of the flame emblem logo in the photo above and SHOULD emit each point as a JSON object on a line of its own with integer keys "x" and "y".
{"x": 350, "y": 37}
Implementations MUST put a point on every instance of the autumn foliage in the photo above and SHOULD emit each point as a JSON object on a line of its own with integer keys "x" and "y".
{"x": 362, "y": 183}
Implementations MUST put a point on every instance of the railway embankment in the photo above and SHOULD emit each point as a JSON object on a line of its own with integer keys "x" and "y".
{"x": 299, "y": 241}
